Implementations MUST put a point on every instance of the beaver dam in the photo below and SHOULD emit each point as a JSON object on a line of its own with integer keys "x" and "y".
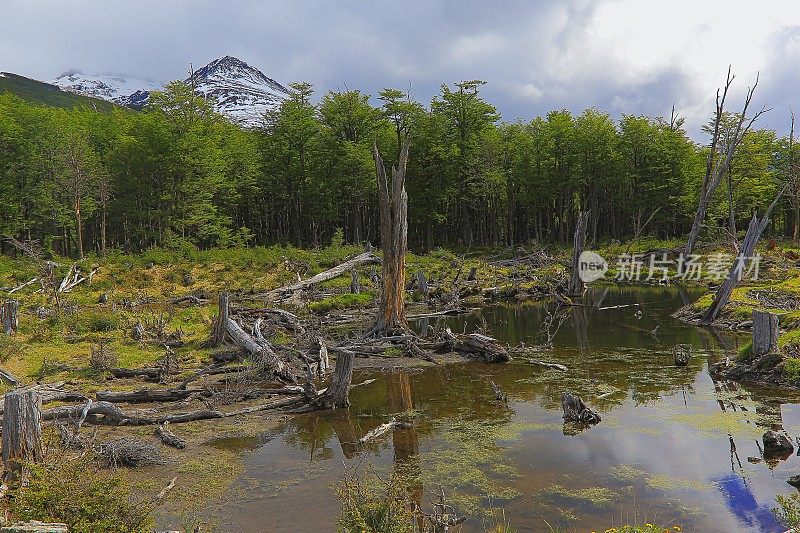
{"x": 674, "y": 447}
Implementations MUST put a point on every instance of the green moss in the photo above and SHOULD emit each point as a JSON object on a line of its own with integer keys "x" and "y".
{"x": 342, "y": 301}
{"x": 791, "y": 368}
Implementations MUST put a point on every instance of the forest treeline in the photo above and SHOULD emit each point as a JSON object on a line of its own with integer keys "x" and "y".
{"x": 177, "y": 174}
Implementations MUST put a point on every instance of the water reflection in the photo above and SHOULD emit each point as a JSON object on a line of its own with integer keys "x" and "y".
{"x": 674, "y": 445}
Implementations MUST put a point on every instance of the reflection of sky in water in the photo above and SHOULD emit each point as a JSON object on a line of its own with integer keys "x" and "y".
{"x": 673, "y": 446}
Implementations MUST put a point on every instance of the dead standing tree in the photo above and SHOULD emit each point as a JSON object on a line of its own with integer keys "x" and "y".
{"x": 719, "y": 157}
{"x": 393, "y": 205}
{"x": 576, "y": 283}
{"x": 746, "y": 250}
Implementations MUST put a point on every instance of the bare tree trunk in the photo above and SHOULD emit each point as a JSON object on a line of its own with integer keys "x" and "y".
{"x": 754, "y": 231}
{"x": 79, "y": 227}
{"x": 765, "y": 333}
{"x": 393, "y": 205}
{"x": 22, "y": 432}
{"x": 575, "y": 282}
{"x": 9, "y": 315}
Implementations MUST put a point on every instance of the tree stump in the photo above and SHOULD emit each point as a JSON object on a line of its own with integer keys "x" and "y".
{"x": 473, "y": 274}
{"x": 221, "y": 323}
{"x": 337, "y": 393}
{"x": 682, "y": 353}
{"x": 577, "y": 411}
{"x": 765, "y": 333}
{"x": 22, "y": 431}
{"x": 8, "y": 314}
{"x": 355, "y": 286}
{"x": 422, "y": 283}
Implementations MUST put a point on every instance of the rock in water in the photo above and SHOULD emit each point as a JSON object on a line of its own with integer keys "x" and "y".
{"x": 794, "y": 481}
{"x": 777, "y": 444}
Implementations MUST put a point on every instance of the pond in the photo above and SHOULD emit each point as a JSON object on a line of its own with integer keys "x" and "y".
{"x": 674, "y": 447}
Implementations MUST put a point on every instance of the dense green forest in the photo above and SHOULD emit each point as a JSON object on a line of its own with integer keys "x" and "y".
{"x": 178, "y": 174}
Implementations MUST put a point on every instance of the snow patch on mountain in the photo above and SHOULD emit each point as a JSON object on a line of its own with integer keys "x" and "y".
{"x": 119, "y": 88}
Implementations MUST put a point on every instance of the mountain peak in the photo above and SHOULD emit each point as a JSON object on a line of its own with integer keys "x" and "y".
{"x": 241, "y": 92}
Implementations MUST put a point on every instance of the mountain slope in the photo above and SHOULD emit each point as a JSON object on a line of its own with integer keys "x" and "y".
{"x": 39, "y": 92}
{"x": 240, "y": 92}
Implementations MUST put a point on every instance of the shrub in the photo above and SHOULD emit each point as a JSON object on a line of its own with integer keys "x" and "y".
{"x": 103, "y": 357}
{"x": 80, "y": 495}
{"x": 98, "y": 322}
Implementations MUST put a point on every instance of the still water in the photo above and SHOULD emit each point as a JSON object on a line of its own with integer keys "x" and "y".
{"x": 674, "y": 447}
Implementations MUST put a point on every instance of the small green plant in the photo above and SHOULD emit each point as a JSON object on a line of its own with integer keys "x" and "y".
{"x": 375, "y": 506}
{"x": 79, "y": 494}
{"x": 10, "y": 346}
{"x": 745, "y": 352}
{"x": 791, "y": 368}
{"x": 789, "y": 512}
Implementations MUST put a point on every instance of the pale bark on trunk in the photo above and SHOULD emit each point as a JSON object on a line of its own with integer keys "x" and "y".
{"x": 393, "y": 206}
{"x": 765, "y": 333}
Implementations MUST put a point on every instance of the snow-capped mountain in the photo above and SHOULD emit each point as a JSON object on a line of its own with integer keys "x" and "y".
{"x": 118, "y": 88}
{"x": 240, "y": 92}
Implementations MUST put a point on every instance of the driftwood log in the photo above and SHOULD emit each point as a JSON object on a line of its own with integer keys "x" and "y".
{"x": 765, "y": 333}
{"x": 383, "y": 429}
{"x": 22, "y": 432}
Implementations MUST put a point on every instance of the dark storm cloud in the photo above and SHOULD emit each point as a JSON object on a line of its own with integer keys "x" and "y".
{"x": 616, "y": 55}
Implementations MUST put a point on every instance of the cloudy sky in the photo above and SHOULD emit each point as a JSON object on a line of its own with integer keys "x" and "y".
{"x": 622, "y": 56}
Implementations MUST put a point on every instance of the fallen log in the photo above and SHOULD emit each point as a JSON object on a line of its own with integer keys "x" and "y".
{"x": 484, "y": 346}
{"x": 145, "y": 395}
{"x": 169, "y": 438}
{"x": 551, "y": 365}
{"x": 366, "y": 258}
{"x": 150, "y": 373}
{"x": 383, "y": 429}
{"x": 191, "y": 298}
